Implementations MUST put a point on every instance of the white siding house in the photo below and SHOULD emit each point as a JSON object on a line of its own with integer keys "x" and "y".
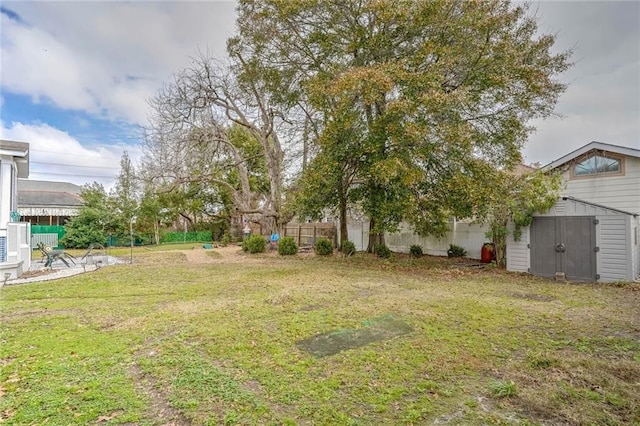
{"x": 599, "y": 212}
{"x": 15, "y": 250}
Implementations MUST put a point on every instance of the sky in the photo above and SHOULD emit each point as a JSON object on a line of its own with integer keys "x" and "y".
{"x": 75, "y": 76}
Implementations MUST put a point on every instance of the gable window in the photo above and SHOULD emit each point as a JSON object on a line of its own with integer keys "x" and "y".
{"x": 598, "y": 164}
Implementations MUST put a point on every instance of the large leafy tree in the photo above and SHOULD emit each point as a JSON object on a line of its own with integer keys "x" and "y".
{"x": 437, "y": 94}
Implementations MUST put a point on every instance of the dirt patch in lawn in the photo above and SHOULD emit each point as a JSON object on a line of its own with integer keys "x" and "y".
{"x": 375, "y": 330}
{"x": 229, "y": 254}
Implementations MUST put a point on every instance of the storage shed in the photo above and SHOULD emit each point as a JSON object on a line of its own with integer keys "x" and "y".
{"x": 583, "y": 240}
{"x": 591, "y": 233}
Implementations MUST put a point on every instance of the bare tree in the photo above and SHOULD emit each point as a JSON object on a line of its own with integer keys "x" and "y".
{"x": 207, "y": 126}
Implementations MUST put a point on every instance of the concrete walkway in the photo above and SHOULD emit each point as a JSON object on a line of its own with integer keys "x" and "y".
{"x": 61, "y": 271}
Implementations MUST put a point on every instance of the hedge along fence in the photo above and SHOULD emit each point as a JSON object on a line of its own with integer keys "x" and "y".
{"x": 186, "y": 237}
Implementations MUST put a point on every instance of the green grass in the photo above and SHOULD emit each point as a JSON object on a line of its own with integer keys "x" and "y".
{"x": 216, "y": 344}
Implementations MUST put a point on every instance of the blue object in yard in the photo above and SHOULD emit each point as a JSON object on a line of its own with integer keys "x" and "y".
{"x": 207, "y": 246}
{"x": 274, "y": 240}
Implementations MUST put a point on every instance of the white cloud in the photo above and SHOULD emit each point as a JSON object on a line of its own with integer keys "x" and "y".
{"x": 105, "y": 58}
{"x": 57, "y": 156}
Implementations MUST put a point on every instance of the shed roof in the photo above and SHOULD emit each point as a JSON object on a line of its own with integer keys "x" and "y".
{"x": 599, "y": 205}
{"x": 601, "y": 146}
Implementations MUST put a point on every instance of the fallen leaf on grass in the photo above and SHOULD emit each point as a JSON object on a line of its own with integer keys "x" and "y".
{"x": 107, "y": 418}
{"x": 13, "y": 379}
{"x": 7, "y": 414}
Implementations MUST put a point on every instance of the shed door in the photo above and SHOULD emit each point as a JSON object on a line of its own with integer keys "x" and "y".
{"x": 564, "y": 244}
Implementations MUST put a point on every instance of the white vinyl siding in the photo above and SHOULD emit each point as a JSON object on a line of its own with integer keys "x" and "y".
{"x": 468, "y": 235}
{"x": 614, "y": 257}
{"x": 635, "y": 247}
{"x": 617, "y": 192}
{"x": 471, "y": 236}
{"x": 518, "y": 251}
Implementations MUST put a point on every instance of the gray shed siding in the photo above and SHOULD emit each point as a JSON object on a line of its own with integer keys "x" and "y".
{"x": 617, "y": 259}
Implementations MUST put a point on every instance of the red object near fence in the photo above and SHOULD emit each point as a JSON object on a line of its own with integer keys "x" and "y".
{"x": 488, "y": 253}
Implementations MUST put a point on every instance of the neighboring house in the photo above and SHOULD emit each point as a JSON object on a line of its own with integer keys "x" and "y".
{"x": 591, "y": 233}
{"x": 48, "y": 203}
{"x": 15, "y": 251}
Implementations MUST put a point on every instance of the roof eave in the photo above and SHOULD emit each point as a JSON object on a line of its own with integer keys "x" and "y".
{"x": 568, "y": 197}
{"x": 617, "y": 149}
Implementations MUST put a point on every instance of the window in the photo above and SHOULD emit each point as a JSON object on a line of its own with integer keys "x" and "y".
{"x": 598, "y": 164}
{"x": 3, "y": 249}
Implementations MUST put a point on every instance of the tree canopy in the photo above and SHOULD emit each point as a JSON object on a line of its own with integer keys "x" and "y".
{"x": 414, "y": 103}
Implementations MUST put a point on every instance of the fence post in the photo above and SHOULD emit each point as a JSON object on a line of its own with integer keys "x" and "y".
{"x": 298, "y": 236}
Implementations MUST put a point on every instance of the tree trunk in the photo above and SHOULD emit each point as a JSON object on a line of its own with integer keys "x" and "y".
{"x": 344, "y": 234}
{"x": 156, "y": 231}
{"x": 305, "y": 143}
{"x": 374, "y": 237}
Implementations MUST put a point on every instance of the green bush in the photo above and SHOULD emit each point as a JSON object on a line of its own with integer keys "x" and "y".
{"x": 324, "y": 247}
{"x": 415, "y": 250}
{"x": 83, "y": 230}
{"x": 254, "y": 244}
{"x": 456, "y": 251}
{"x": 381, "y": 250}
{"x": 287, "y": 246}
{"x": 348, "y": 248}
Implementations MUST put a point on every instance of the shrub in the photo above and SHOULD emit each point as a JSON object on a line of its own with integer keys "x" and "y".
{"x": 456, "y": 251}
{"x": 324, "y": 247}
{"x": 348, "y": 248}
{"x": 287, "y": 246}
{"x": 254, "y": 244}
{"x": 381, "y": 250}
{"x": 226, "y": 240}
{"x": 415, "y": 250}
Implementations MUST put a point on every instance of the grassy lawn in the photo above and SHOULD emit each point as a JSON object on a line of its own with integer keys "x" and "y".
{"x": 170, "y": 341}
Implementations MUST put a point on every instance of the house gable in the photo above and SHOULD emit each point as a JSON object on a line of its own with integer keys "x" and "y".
{"x": 604, "y": 174}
